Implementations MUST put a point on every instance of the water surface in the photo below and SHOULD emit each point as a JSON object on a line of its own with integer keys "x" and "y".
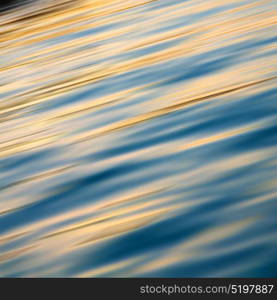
{"x": 138, "y": 139}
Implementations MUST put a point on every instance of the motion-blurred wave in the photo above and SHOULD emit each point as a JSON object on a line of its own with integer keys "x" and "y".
{"x": 138, "y": 138}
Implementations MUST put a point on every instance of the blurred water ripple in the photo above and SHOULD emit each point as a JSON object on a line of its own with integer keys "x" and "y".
{"x": 138, "y": 138}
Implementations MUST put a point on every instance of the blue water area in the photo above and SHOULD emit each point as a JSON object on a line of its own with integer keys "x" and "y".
{"x": 138, "y": 139}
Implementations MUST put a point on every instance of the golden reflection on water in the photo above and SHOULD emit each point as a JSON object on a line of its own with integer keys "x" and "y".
{"x": 113, "y": 120}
